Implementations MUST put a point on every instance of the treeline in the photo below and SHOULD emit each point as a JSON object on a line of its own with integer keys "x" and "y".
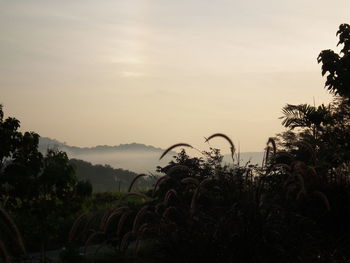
{"x": 44, "y": 192}
{"x": 41, "y": 192}
{"x": 105, "y": 178}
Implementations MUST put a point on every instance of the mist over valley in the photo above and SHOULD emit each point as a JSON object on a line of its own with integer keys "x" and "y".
{"x": 135, "y": 157}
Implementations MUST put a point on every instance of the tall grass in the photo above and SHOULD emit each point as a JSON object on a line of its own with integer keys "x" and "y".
{"x": 202, "y": 210}
{"x": 11, "y": 241}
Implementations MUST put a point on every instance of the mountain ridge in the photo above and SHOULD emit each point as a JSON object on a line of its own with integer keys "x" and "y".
{"x": 135, "y": 157}
{"x": 46, "y": 142}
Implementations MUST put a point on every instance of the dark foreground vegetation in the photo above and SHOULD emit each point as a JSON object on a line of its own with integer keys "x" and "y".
{"x": 294, "y": 208}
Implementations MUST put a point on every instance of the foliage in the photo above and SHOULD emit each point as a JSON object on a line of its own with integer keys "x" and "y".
{"x": 338, "y": 65}
{"x": 203, "y": 210}
{"x": 323, "y": 130}
{"x": 105, "y": 178}
{"x": 41, "y": 192}
{"x": 304, "y": 115}
{"x": 11, "y": 241}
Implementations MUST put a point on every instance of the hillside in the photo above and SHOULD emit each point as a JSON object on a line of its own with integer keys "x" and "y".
{"x": 105, "y": 178}
{"x": 136, "y": 157}
{"x": 46, "y": 142}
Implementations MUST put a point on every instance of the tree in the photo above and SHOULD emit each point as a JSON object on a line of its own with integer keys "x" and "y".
{"x": 338, "y": 65}
{"x": 38, "y": 190}
{"x": 326, "y": 128}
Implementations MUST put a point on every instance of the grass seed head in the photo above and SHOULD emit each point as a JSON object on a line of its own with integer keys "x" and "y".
{"x": 14, "y": 229}
{"x": 139, "y": 217}
{"x": 232, "y": 148}
{"x": 190, "y": 180}
{"x": 173, "y": 147}
{"x": 134, "y": 180}
{"x": 75, "y": 226}
{"x": 122, "y": 221}
{"x": 4, "y": 254}
{"x": 159, "y": 182}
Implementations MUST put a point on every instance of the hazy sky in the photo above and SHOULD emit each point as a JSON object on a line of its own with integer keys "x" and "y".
{"x": 159, "y": 72}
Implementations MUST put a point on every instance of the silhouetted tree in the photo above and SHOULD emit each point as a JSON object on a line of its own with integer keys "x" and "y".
{"x": 326, "y": 128}
{"x": 338, "y": 65}
{"x": 40, "y": 191}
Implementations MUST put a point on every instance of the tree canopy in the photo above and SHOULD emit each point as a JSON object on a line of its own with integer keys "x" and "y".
{"x": 338, "y": 65}
{"x": 325, "y": 128}
{"x": 33, "y": 187}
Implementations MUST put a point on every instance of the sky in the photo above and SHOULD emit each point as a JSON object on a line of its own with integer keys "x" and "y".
{"x": 160, "y": 72}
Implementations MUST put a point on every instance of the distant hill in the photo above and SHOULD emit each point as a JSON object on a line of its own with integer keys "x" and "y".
{"x": 106, "y": 178}
{"x": 46, "y": 143}
{"x": 136, "y": 157}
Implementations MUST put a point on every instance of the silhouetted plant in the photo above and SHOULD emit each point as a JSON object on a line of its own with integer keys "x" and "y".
{"x": 11, "y": 241}
{"x": 204, "y": 210}
{"x": 41, "y": 193}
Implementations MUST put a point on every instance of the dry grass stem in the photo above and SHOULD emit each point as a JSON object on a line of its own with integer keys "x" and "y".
{"x": 14, "y": 229}
{"x": 159, "y": 182}
{"x": 227, "y": 139}
{"x": 173, "y": 147}
{"x": 134, "y": 180}
{"x": 75, "y": 227}
{"x": 4, "y": 253}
